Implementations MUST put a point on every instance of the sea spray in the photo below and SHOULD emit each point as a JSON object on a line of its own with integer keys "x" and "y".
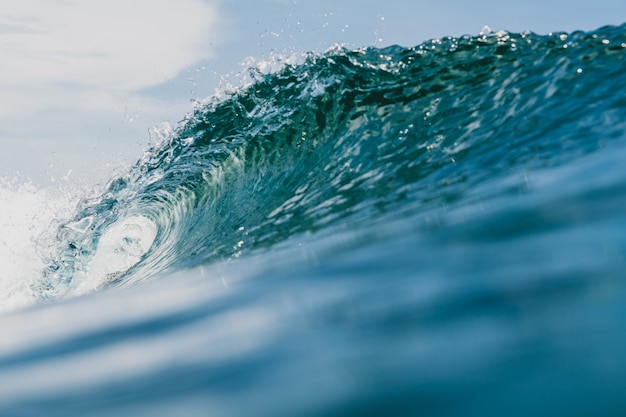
{"x": 27, "y": 220}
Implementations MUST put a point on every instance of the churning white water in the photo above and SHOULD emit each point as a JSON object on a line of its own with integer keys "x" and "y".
{"x": 27, "y": 215}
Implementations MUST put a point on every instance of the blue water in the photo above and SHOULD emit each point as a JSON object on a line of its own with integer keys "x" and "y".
{"x": 436, "y": 230}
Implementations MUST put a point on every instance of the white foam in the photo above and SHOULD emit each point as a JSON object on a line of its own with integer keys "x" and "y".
{"x": 121, "y": 246}
{"x": 26, "y": 218}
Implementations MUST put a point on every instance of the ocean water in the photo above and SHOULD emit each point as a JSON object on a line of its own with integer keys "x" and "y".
{"x": 436, "y": 230}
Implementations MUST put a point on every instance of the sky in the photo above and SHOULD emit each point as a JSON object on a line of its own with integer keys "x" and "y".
{"x": 82, "y": 83}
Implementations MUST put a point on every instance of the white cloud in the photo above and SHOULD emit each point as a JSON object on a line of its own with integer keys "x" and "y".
{"x": 93, "y": 55}
{"x": 119, "y": 44}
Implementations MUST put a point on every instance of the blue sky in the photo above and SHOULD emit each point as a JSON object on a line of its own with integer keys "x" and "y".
{"x": 82, "y": 82}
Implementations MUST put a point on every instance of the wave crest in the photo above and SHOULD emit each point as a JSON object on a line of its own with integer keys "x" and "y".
{"x": 353, "y": 139}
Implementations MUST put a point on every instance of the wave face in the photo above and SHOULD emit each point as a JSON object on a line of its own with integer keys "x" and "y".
{"x": 354, "y": 139}
{"x": 377, "y": 230}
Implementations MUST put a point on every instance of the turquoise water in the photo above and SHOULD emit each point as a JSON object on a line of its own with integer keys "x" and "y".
{"x": 434, "y": 230}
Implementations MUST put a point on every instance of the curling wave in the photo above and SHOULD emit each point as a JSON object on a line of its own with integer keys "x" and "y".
{"x": 348, "y": 141}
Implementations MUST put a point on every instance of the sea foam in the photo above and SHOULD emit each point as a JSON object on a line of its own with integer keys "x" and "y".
{"x": 27, "y": 215}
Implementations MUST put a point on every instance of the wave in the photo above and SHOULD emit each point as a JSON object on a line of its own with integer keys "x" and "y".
{"x": 347, "y": 142}
{"x": 394, "y": 231}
